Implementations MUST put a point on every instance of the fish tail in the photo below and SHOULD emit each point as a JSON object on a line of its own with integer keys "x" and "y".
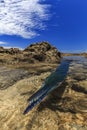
{"x": 36, "y": 100}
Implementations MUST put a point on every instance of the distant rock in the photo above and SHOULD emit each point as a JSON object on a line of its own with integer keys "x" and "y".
{"x": 10, "y": 50}
{"x": 2, "y": 50}
{"x": 35, "y": 53}
{"x": 43, "y": 52}
{"x": 40, "y": 46}
{"x": 13, "y": 51}
{"x": 74, "y": 54}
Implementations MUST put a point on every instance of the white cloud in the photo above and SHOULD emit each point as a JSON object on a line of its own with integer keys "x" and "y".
{"x": 6, "y": 45}
{"x": 3, "y": 43}
{"x": 22, "y": 17}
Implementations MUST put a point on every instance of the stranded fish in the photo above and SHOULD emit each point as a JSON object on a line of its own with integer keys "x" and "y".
{"x": 54, "y": 80}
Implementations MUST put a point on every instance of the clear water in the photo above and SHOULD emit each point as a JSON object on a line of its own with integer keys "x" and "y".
{"x": 78, "y": 82}
{"x": 78, "y": 66}
{"x": 73, "y": 66}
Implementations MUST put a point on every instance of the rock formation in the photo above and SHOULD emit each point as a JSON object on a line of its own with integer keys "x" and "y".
{"x": 10, "y": 50}
{"x": 38, "y": 52}
{"x": 43, "y": 52}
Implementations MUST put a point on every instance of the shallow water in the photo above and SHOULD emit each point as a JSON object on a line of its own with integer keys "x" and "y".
{"x": 78, "y": 66}
{"x": 51, "y": 82}
{"x": 63, "y": 109}
{"x": 77, "y": 70}
{"x": 78, "y": 74}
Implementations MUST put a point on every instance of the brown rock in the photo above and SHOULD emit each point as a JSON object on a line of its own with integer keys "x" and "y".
{"x": 10, "y": 50}
{"x": 35, "y": 53}
{"x": 2, "y": 50}
{"x": 43, "y": 51}
{"x": 13, "y": 51}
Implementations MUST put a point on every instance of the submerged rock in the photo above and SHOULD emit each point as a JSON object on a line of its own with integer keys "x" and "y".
{"x": 63, "y": 109}
{"x": 9, "y": 76}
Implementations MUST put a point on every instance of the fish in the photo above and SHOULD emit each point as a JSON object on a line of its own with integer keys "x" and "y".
{"x": 54, "y": 80}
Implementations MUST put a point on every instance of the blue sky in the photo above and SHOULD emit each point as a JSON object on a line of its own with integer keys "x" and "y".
{"x": 63, "y": 23}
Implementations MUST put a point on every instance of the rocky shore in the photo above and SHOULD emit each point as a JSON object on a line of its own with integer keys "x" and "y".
{"x": 41, "y": 52}
{"x": 64, "y": 109}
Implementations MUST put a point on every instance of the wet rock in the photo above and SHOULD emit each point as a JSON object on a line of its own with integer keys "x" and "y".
{"x": 80, "y": 87}
{"x": 9, "y": 76}
{"x": 63, "y": 109}
{"x": 80, "y": 105}
{"x": 53, "y": 113}
{"x": 80, "y": 77}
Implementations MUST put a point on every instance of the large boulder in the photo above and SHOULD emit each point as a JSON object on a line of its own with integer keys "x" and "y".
{"x": 43, "y": 51}
{"x": 35, "y": 53}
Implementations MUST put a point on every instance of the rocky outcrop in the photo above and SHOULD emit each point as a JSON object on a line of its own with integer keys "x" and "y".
{"x": 40, "y": 46}
{"x": 2, "y": 50}
{"x": 10, "y": 50}
{"x": 43, "y": 52}
{"x": 13, "y": 51}
{"x": 35, "y": 53}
